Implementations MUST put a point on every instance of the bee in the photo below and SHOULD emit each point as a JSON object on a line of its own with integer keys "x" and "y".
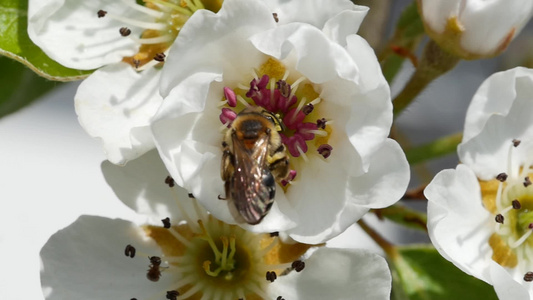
{"x": 253, "y": 159}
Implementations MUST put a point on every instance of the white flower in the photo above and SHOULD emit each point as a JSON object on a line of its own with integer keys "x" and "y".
{"x": 128, "y": 42}
{"x": 475, "y": 29}
{"x": 196, "y": 257}
{"x": 327, "y": 89}
{"x": 479, "y": 215}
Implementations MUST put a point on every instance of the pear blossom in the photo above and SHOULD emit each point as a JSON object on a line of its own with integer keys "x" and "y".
{"x": 188, "y": 254}
{"x": 324, "y": 84}
{"x": 479, "y": 214}
{"x": 474, "y": 29}
{"x": 128, "y": 42}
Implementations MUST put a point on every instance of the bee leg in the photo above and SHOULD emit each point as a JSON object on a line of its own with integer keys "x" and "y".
{"x": 226, "y": 188}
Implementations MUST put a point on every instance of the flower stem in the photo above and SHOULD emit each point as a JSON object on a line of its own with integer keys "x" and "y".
{"x": 404, "y": 216}
{"x": 434, "y": 63}
{"x": 437, "y": 148}
{"x": 387, "y": 247}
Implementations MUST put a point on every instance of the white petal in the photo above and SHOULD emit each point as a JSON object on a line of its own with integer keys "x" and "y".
{"x": 71, "y": 33}
{"x": 223, "y": 43}
{"x": 140, "y": 184}
{"x": 87, "y": 258}
{"x": 506, "y": 287}
{"x": 319, "y": 193}
{"x": 338, "y": 19}
{"x": 116, "y": 104}
{"x": 436, "y": 13}
{"x": 317, "y": 58}
{"x": 386, "y": 180}
{"x": 459, "y": 226}
{"x": 488, "y": 23}
{"x": 337, "y": 274}
{"x": 496, "y": 95}
{"x": 487, "y": 153}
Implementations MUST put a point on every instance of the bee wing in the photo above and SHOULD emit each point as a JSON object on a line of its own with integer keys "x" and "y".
{"x": 253, "y": 186}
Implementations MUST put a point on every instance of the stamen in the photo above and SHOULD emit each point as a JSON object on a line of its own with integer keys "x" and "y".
{"x": 316, "y": 132}
{"x": 242, "y": 86}
{"x": 528, "y": 276}
{"x": 166, "y": 222}
{"x": 241, "y": 99}
{"x": 325, "y": 150}
{"x": 155, "y": 40}
{"x": 302, "y": 153}
{"x": 527, "y": 181}
{"x": 321, "y": 123}
{"x": 124, "y": 31}
{"x": 160, "y": 57}
{"x": 170, "y": 181}
{"x": 298, "y": 265}
{"x": 101, "y": 13}
{"x": 136, "y": 23}
{"x": 308, "y": 109}
{"x": 499, "y": 218}
{"x": 516, "y": 204}
{"x": 316, "y": 101}
{"x": 280, "y": 298}
{"x": 275, "y": 15}
{"x": 296, "y": 84}
{"x": 516, "y": 142}
{"x": 298, "y": 108}
{"x": 523, "y": 238}
{"x": 172, "y": 6}
{"x": 286, "y": 75}
{"x": 230, "y": 95}
{"x": 209, "y": 240}
{"x": 172, "y": 295}
{"x": 501, "y": 177}
{"x": 136, "y": 63}
{"x": 179, "y": 237}
{"x": 154, "y": 13}
{"x": 271, "y": 276}
{"x": 130, "y": 251}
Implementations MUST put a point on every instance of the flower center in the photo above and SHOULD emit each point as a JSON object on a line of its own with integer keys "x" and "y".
{"x": 210, "y": 259}
{"x": 510, "y": 198}
{"x": 165, "y": 20}
{"x": 292, "y": 99}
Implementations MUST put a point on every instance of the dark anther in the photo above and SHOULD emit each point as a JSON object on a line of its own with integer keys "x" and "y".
{"x": 172, "y": 295}
{"x": 155, "y": 261}
{"x": 275, "y": 15}
{"x": 160, "y": 56}
{"x": 124, "y": 31}
{"x": 166, "y": 222}
{"x": 499, "y": 218}
{"x": 136, "y": 63}
{"x": 271, "y": 276}
{"x": 133, "y": 299}
{"x": 191, "y": 195}
{"x": 501, "y": 177}
{"x": 101, "y": 13}
{"x": 321, "y": 123}
{"x": 516, "y": 142}
{"x": 527, "y": 182}
{"x": 280, "y": 298}
{"x": 324, "y": 150}
{"x": 284, "y": 88}
{"x": 130, "y": 251}
{"x": 516, "y": 204}
{"x": 308, "y": 109}
{"x": 224, "y": 144}
{"x": 528, "y": 276}
{"x": 170, "y": 181}
{"x": 222, "y": 198}
{"x": 273, "y": 234}
{"x": 298, "y": 265}
{"x": 530, "y": 226}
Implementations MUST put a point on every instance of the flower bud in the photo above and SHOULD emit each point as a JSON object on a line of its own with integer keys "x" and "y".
{"x": 473, "y": 29}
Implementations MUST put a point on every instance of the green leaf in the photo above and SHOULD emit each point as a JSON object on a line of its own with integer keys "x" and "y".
{"x": 19, "y": 86}
{"x": 16, "y": 44}
{"x": 422, "y": 274}
{"x": 407, "y": 35}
